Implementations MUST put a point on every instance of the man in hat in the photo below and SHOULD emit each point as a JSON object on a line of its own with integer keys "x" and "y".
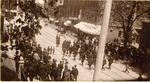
{"x": 66, "y": 75}
{"x": 60, "y": 66}
{"x": 55, "y": 72}
{"x": 54, "y": 64}
{"x": 76, "y": 72}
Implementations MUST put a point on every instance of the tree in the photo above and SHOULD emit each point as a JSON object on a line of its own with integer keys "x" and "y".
{"x": 126, "y": 13}
{"x": 31, "y": 7}
{"x": 8, "y": 4}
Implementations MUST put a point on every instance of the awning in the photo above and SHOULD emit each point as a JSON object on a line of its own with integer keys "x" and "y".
{"x": 88, "y": 28}
{"x": 68, "y": 23}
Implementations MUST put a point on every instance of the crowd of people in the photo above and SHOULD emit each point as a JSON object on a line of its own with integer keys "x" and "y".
{"x": 31, "y": 60}
{"x": 39, "y": 65}
{"x": 86, "y": 49}
{"x": 66, "y": 46}
{"x": 132, "y": 55}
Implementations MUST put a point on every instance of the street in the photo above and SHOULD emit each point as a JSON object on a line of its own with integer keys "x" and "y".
{"x": 75, "y": 40}
{"x": 48, "y": 38}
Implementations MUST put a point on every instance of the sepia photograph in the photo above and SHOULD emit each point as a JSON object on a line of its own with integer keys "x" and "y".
{"x": 75, "y": 40}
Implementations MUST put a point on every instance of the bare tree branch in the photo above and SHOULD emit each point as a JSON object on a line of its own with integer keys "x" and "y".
{"x": 138, "y": 17}
{"x": 122, "y": 19}
{"x": 130, "y": 16}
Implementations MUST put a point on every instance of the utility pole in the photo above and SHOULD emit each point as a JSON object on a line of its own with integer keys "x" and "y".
{"x": 102, "y": 40}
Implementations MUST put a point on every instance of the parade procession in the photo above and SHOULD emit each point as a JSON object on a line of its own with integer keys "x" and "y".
{"x": 75, "y": 40}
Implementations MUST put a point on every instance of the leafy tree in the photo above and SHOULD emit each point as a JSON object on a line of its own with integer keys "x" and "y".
{"x": 8, "y": 4}
{"x": 31, "y": 7}
{"x": 126, "y": 13}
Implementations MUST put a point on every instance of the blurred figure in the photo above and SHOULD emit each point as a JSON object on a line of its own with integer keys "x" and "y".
{"x": 110, "y": 60}
{"x": 76, "y": 72}
{"x": 17, "y": 59}
{"x": 104, "y": 63}
{"x": 57, "y": 40}
{"x": 140, "y": 78}
{"x": 66, "y": 75}
{"x": 60, "y": 66}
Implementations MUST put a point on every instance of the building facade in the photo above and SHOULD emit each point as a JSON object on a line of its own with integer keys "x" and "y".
{"x": 85, "y": 10}
{"x": 71, "y": 8}
{"x": 92, "y": 11}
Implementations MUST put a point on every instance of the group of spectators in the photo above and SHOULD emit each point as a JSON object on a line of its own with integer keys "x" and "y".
{"x": 86, "y": 48}
{"x": 39, "y": 65}
{"x": 33, "y": 62}
{"x": 131, "y": 55}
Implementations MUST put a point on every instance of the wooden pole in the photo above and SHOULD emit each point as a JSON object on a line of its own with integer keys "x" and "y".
{"x": 102, "y": 40}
